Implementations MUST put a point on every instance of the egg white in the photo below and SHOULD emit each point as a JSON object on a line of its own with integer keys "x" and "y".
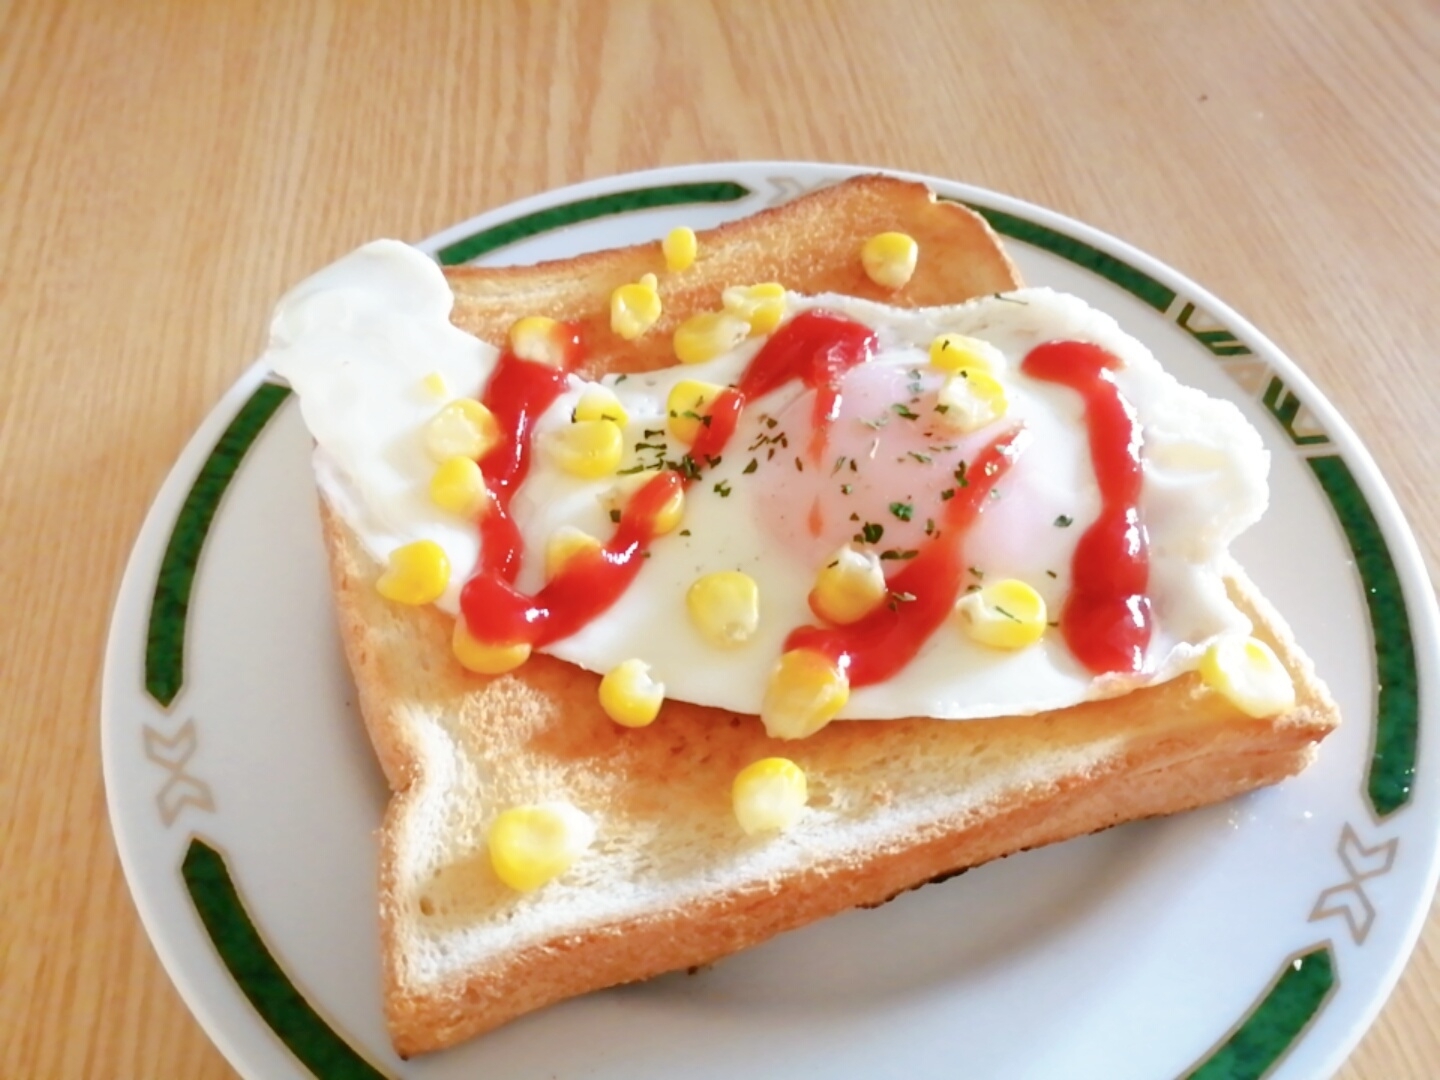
{"x": 357, "y": 340}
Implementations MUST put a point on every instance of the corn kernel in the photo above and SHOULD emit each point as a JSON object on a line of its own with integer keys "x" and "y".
{"x": 630, "y": 696}
{"x": 540, "y": 340}
{"x": 566, "y": 543}
{"x": 531, "y": 845}
{"x": 769, "y": 795}
{"x": 588, "y": 449}
{"x": 1007, "y": 614}
{"x": 686, "y": 408}
{"x": 458, "y": 486}
{"x": 435, "y": 385}
{"x": 807, "y": 690}
{"x": 708, "y": 335}
{"x": 889, "y": 259}
{"x": 483, "y": 657}
{"x": 969, "y": 401}
{"x": 463, "y": 428}
{"x": 849, "y": 586}
{"x": 416, "y": 573}
{"x": 762, "y": 306}
{"x": 619, "y": 496}
{"x": 600, "y": 403}
{"x": 725, "y": 608}
{"x": 634, "y": 308}
{"x": 955, "y": 353}
{"x": 669, "y": 514}
{"x": 1249, "y": 674}
{"x": 679, "y": 248}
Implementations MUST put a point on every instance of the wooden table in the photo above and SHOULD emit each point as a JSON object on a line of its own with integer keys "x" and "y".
{"x": 168, "y": 168}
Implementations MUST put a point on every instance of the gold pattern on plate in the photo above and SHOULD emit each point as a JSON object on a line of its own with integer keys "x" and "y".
{"x": 173, "y": 753}
{"x": 1349, "y": 899}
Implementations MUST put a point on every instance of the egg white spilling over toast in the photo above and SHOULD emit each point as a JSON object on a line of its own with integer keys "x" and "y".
{"x": 615, "y": 540}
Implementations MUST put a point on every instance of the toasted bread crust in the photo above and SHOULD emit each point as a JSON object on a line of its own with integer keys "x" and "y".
{"x": 922, "y": 798}
{"x": 812, "y": 245}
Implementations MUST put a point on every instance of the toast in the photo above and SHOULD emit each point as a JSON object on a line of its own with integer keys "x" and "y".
{"x": 672, "y": 882}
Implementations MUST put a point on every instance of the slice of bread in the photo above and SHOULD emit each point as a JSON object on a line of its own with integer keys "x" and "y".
{"x": 671, "y": 881}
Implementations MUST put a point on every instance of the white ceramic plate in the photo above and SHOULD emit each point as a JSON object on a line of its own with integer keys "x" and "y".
{"x": 1252, "y": 939}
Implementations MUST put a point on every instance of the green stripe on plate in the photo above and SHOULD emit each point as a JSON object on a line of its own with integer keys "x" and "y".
{"x": 1397, "y": 710}
{"x": 1219, "y": 341}
{"x": 1136, "y": 282}
{"x": 1274, "y": 1023}
{"x": 258, "y": 974}
{"x": 1282, "y": 404}
{"x": 597, "y": 206}
{"x": 165, "y": 633}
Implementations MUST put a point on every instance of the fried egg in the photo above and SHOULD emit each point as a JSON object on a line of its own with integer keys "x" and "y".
{"x": 362, "y": 341}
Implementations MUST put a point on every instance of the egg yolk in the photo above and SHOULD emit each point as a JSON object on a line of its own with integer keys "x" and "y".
{"x": 878, "y": 474}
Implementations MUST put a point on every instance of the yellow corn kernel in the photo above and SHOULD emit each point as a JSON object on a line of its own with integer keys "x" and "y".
{"x": 415, "y": 573}
{"x": 630, "y": 696}
{"x": 564, "y": 544}
{"x": 686, "y": 406}
{"x": 1004, "y": 615}
{"x": 969, "y": 401}
{"x": 531, "y": 845}
{"x": 458, "y": 486}
{"x": 806, "y": 691}
{"x": 762, "y": 306}
{"x": 725, "y": 608}
{"x": 955, "y": 353}
{"x": 679, "y": 248}
{"x": 769, "y": 795}
{"x": 1249, "y": 674}
{"x": 540, "y": 340}
{"x": 463, "y": 428}
{"x": 619, "y": 496}
{"x": 668, "y": 516}
{"x": 435, "y": 385}
{"x": 849, "y": 586}
{"x": 600, "y": 403}
{"x": 483, "y": 657}
{"x": 588, "y": 449}
{"x": 634, "y": 308}
{"x": 889, "y": 259}
{"x": 708, "y": 335}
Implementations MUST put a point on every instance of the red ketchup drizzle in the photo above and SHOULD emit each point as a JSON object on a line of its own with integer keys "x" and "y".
{"x": 519, "y": 391}
{"x": 589, "y": 583}
{"x": 1106, "y": 619}
{"x": 877, "y": 646}
{"x": 815, "y": 347}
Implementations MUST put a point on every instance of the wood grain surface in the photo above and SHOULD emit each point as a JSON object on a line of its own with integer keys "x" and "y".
{"x": 168, "y": 167}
